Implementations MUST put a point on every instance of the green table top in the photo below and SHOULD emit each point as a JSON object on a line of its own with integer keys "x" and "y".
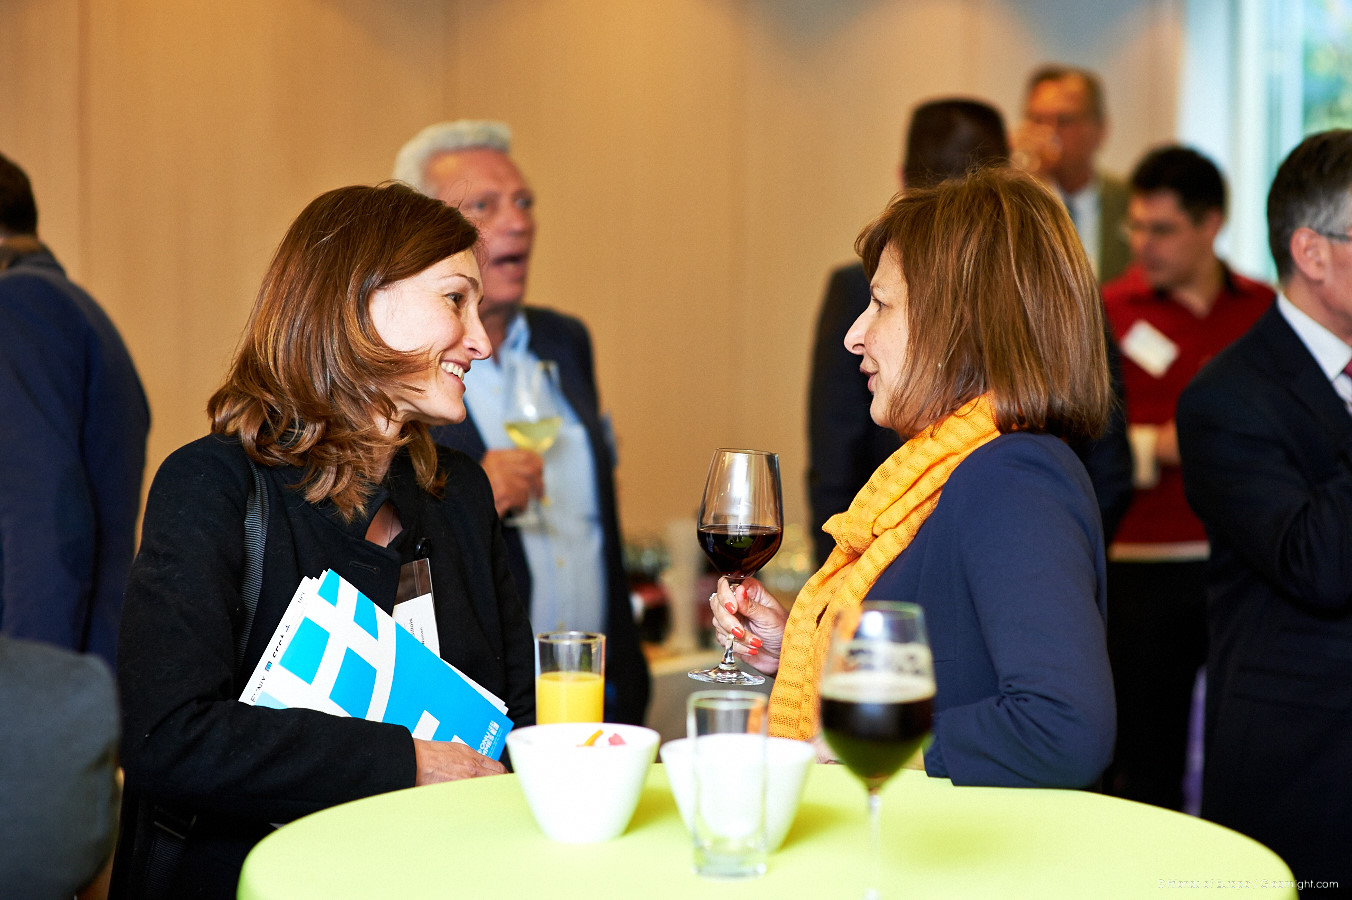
{"x": 476, "y": 838}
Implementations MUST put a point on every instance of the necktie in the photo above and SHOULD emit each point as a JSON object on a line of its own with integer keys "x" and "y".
{"x": 1344, "y": 390}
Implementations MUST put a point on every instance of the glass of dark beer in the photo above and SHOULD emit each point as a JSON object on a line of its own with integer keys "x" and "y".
{"x": 741, "y": 520}
{"x": 877, "y": 696}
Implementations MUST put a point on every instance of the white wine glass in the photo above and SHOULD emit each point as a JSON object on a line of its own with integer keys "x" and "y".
{"x": 877, "y": 699}
{"x": 533, "y": 418}
{"x": 741, "y": 521}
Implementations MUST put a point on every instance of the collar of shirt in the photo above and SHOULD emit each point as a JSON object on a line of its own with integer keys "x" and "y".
{"x": 1328, "y": 350}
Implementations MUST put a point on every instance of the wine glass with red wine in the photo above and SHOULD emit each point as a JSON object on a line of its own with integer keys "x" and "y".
{"x": 741, "y": 521}
{"x": 877, "y": 695}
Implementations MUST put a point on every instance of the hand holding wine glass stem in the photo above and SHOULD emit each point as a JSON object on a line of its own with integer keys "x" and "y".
{"x": 745, "y": 604}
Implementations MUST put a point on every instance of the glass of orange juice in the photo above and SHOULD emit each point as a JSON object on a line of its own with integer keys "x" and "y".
{"x": 570, "y": 676}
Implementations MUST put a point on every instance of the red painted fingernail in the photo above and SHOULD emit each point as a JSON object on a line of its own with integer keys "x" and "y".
{"x": 738, "y": 633}
{"x": 730, "y": 607}
{"x": 752, "y": 652}
{"x": 755, "y": 642}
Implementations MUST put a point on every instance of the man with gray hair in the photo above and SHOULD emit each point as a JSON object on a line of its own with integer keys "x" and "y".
{"x": 1265, "y": 434}
{"x": 569, "y": 565}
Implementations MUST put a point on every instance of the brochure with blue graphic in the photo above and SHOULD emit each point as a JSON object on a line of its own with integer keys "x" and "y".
{"x": 337, "y": 652}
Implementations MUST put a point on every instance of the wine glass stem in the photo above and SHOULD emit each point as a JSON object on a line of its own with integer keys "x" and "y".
{"x": 729, "y": 663}
{"x": 875, "y": 820}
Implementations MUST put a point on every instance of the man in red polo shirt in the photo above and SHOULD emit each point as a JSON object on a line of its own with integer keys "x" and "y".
{"x": 1174, "y": 308}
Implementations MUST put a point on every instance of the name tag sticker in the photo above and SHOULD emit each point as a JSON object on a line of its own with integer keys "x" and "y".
{"x": 413, "y": 608}
{"x": 1149, "y": 348}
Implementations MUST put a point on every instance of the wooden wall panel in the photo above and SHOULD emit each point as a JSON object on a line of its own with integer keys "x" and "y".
{"x": 701, "y": 165}
{"x": 628, "y": 121}
{"x": 210, "y": 127}
{"x": 41, "y": 123}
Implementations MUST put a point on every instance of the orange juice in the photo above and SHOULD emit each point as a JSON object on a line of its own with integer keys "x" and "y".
{"x": 569, "y": 697}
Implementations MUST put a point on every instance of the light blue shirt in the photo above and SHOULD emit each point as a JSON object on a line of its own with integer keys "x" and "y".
{"x": 1086, "y": 214}
{"x": 566, "y": 551}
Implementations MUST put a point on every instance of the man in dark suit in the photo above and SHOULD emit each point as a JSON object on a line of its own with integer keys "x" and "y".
{"x": 73, "y": 425}
{"x": 944, "y": 139}
{"x": 1265, "y": 433}
{"x": 568, "y": 565}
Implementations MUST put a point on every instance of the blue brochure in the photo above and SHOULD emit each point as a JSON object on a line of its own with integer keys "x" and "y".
{"x": 337, "y": 652}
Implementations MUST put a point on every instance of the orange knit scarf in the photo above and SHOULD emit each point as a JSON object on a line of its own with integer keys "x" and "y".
{"x": 881, "y": 521}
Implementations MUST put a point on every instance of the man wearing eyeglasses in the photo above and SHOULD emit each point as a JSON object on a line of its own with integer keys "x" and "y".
{"x": 1174, "y": 308}
{"x": 568, "y": 563}
{"x": 1266, "y": 435}
{"x": 1064, "y": 125}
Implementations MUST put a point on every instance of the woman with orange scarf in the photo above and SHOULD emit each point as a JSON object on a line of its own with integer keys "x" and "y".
{"x": 983, "y": 348}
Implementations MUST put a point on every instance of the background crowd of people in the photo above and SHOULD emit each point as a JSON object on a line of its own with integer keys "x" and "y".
{"x": 1192, "y": 438}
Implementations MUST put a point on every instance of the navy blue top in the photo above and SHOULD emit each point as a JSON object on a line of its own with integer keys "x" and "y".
{"x": 1009, "y": 570}
{"x": 73, "y": 424}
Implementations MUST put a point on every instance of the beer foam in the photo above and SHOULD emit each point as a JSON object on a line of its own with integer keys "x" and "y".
{"x": 865, "y": 686}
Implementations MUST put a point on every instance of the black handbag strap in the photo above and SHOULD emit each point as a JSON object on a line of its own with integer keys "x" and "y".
{"x": 255, "y": 537}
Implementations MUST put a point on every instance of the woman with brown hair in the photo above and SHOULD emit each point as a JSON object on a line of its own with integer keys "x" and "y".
{"x": 983, "y": 347}
{"x": 364, "y": 326}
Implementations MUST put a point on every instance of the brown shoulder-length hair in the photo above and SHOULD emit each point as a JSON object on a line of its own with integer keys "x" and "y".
{"x": 1000, "y": 299}
{"x": 311, "y": 376}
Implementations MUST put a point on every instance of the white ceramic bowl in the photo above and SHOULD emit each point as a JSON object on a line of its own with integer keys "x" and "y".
{"x": 788, "y": 763}
{"x": 581, "y": 795}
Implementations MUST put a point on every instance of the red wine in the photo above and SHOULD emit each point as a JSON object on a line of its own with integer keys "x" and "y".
{"x": 875, "y": 722}
{"x": 739, "y": 551}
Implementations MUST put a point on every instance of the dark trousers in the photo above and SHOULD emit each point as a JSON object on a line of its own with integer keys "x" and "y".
{"x": 1156, "y": 643}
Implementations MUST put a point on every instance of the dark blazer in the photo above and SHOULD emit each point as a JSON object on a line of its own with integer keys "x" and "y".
{"x": 190, "y": 744}
{"x": 73, "y": 424}
{"x": 565, "y": 340}
{"x": 845, "y": 446}
{"x": 1009, "y": 570}
{"x": 1267, "y": 465}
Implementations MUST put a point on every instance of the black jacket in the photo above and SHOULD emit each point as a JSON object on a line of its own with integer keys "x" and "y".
{"x": 1267, "y": 465}
{"x": 188, "y": 742}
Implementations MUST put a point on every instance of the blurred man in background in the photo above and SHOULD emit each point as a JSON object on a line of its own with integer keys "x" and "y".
{"x": 568, "y": 565}
{"x": 1175, "y": 308}
{"x": 73, "y": 425}
{"x": 1065, "y": 123}
{"x": 945, "y": 138}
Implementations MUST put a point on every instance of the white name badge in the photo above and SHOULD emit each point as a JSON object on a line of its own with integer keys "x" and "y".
{"x": 414, "y": 609}
{"x": 1149, "y": 348}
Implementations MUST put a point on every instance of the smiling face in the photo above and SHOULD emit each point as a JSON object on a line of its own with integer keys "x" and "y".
{"x": 880, "y": 336}
{"x": 486, "y": 186}
{"x": 434, "y": 314}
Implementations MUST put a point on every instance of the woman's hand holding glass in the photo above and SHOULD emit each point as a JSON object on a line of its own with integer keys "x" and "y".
{"x": 752, "y": 618}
